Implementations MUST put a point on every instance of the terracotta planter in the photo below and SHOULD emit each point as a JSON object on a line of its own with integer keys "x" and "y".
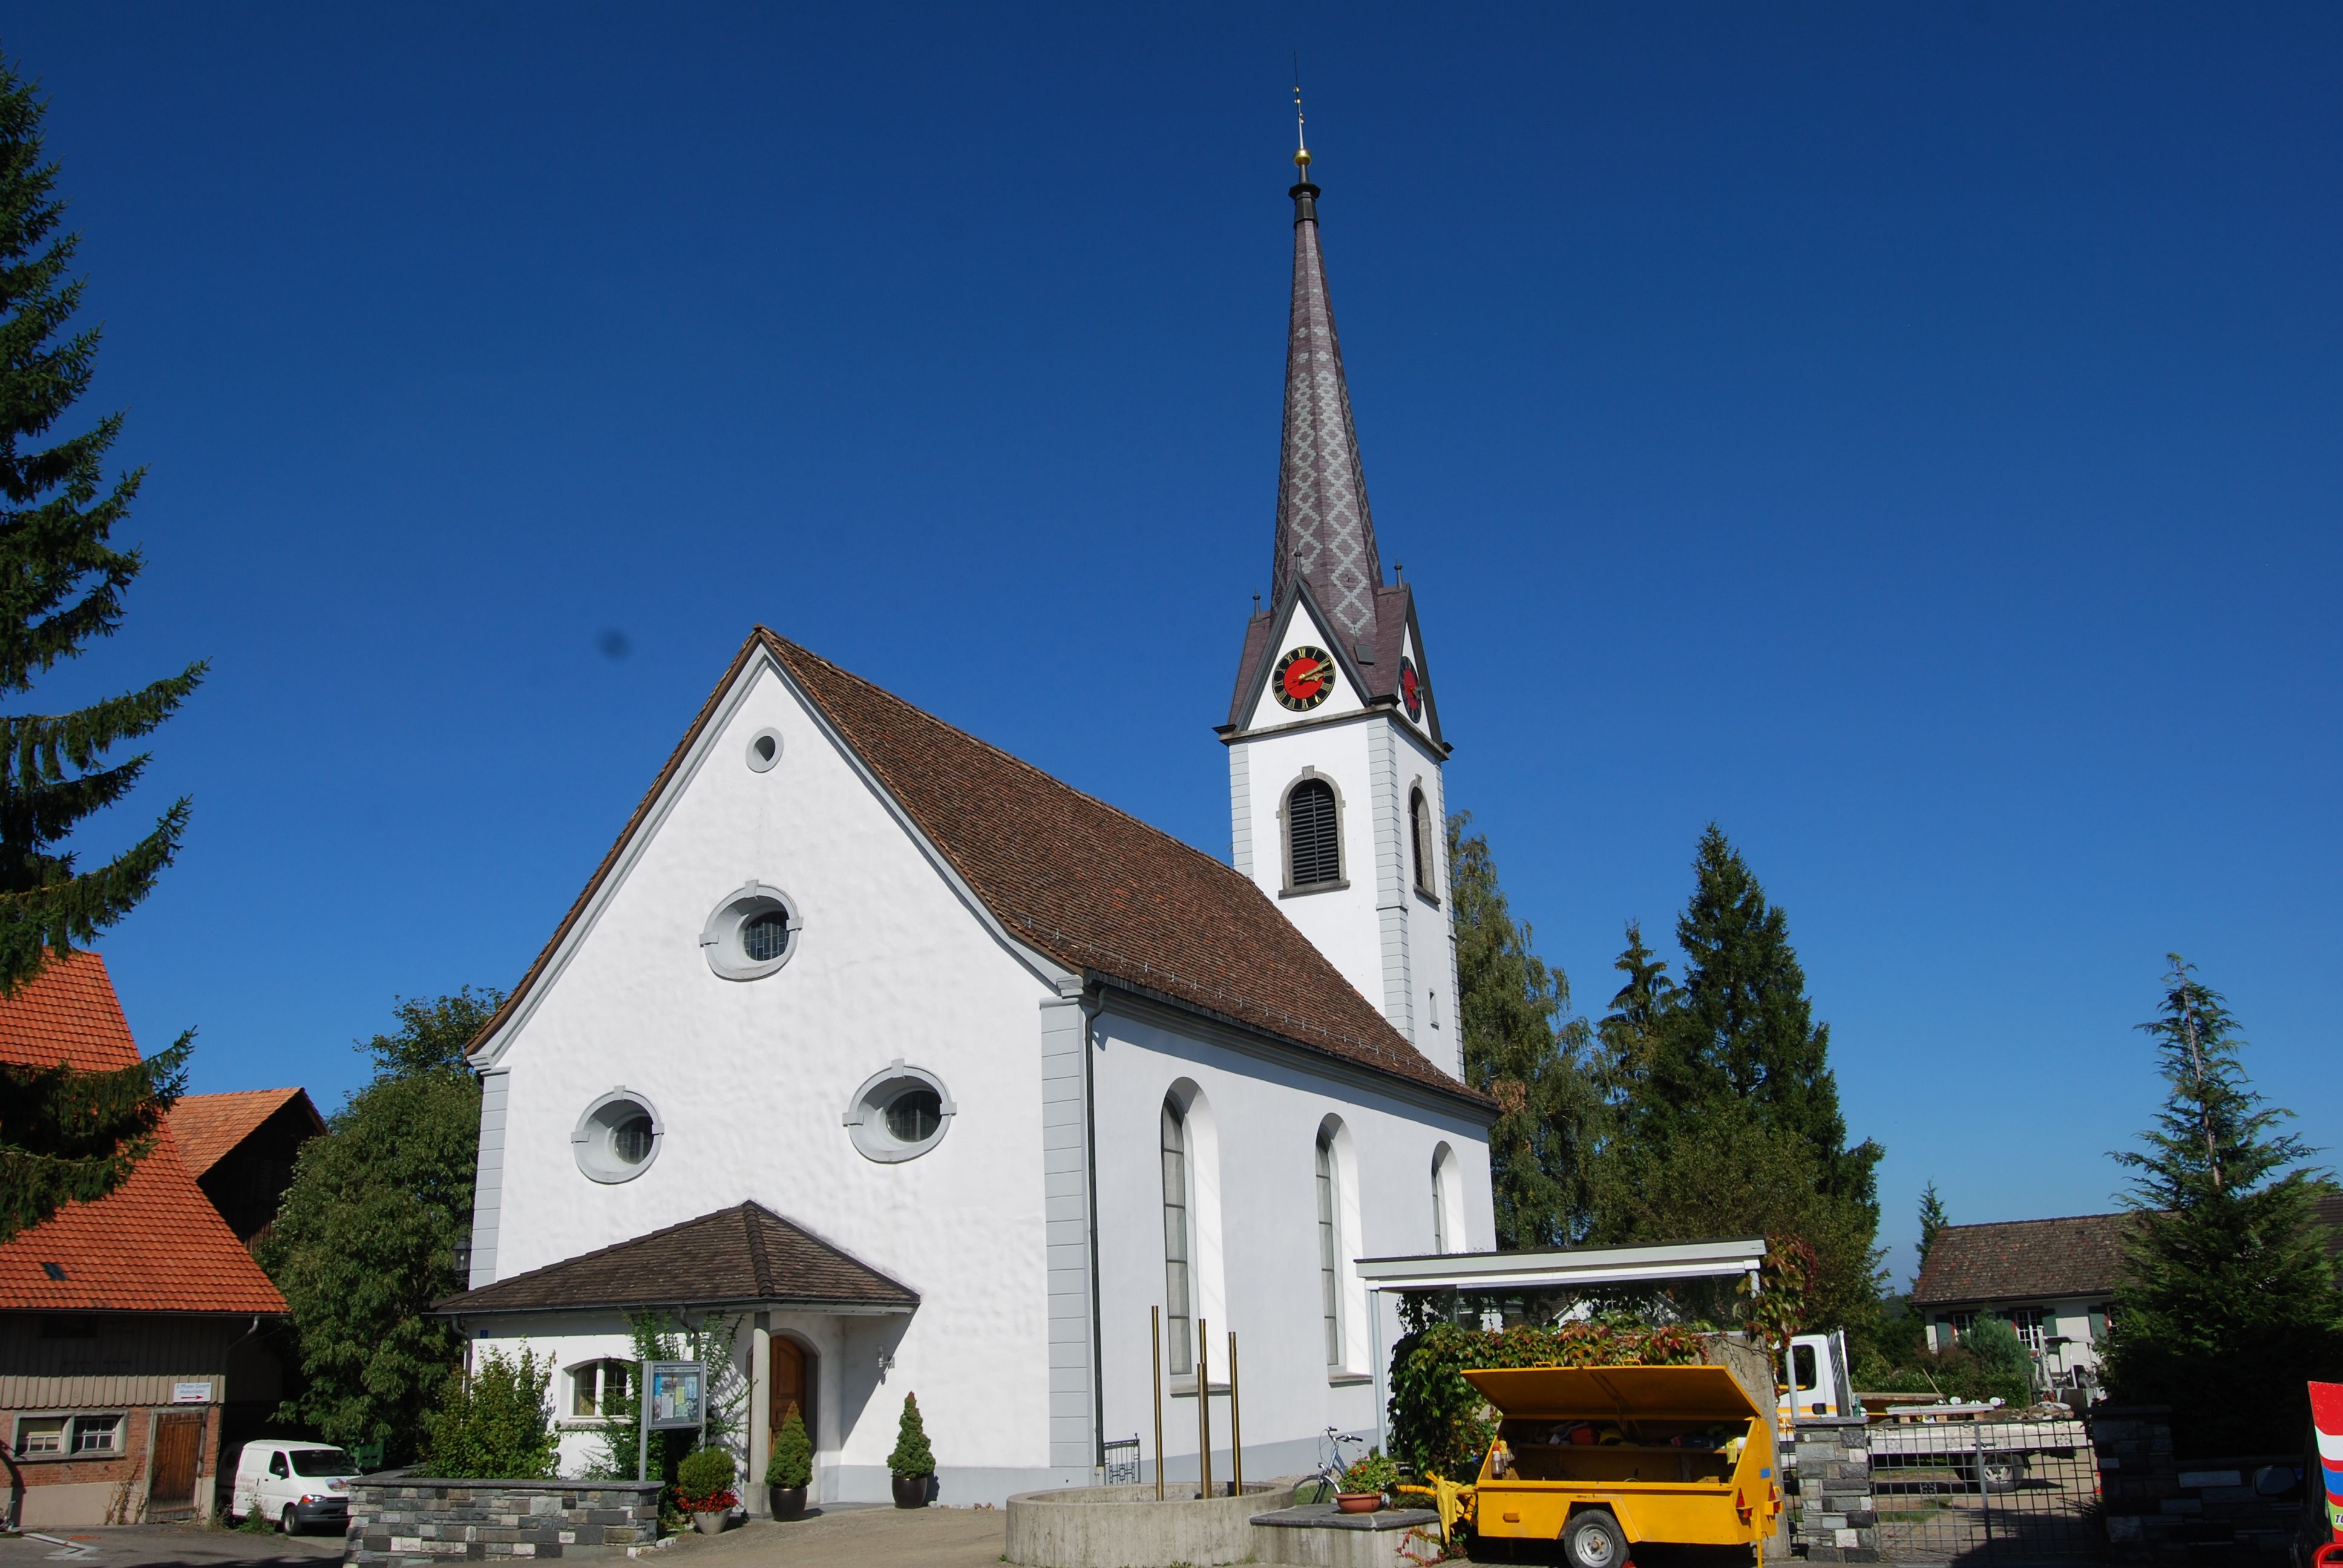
{"x": 786, "y": 1501}
{"x": 913, "y": 1490}
{"x": 713, "y": 1521}
{"x": 1358, "y": 1502}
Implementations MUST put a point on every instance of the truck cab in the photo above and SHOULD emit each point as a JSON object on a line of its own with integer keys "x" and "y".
{"x": 1813, "y": 1378}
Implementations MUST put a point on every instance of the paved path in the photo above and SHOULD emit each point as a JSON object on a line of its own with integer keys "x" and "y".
{"x": 169, "y": 1546}
{"x": 851, "y": 1538}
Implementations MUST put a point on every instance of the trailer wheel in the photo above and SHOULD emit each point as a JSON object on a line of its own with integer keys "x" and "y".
{"x": 1594, "y": 1539}
{"x": 2003, "y": 1472}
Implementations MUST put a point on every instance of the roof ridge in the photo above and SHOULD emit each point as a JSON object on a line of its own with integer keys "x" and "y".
{"x": 757, "y": 1266}
{"x": 1010, "y": 756}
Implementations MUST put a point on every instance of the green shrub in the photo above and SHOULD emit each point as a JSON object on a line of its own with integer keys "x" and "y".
{"x": 2004, "y": 1366}
{"x": 792, "y": 1459}
{"x": 912, "y": 1456}
{"x": 1439, "y": 1422}
{"x": 703, "y": 1481}
{"x": 494, "y": 1424}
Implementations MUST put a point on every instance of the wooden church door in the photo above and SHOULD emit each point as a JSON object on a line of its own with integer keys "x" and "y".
{"x": 792, "y": 1384}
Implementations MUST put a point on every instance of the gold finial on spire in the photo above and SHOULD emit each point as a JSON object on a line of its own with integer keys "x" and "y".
{"x": 1300, "y": 142}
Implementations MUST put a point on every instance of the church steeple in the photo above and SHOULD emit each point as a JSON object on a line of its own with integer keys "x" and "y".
{"x": 1335, "y": 793}
{"x": 1325, "y": 533}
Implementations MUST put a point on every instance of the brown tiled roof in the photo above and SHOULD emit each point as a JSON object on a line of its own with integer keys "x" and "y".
{"x": 1096, "y": 890}
{"x": 208, "y": 1125}
{"x": 2023, "y": 1259}
{"x": 733, "y": 1256}
{"x": 155, "y": 1243}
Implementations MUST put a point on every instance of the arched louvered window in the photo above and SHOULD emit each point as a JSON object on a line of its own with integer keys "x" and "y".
{"x": 1179, "y": 1310}
{"x": 1313, "y": 835}
{"x": 1419, "y": 816}
{"x": 1329, "y": 1248}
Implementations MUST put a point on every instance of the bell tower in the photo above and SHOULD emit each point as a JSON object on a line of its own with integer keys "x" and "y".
{"x": 1337, "y": 807}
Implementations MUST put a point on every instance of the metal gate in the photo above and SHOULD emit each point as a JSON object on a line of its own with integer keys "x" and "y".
{"x": 1985, "y": 1491}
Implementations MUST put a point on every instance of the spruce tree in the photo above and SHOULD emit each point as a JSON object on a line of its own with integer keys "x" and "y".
{"x": 64, "y": 1135}
{"x": 1524, "y": 1049}
{"x": 2228, "y": 1304}
{"x": 1630, "y": 1033}
{"x": 1933, "y": 1218}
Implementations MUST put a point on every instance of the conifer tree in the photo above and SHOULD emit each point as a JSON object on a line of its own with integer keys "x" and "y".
{"x": 1933, "y": 1218}
{"x": 2228, "y": 1304}
{"x": 1524, "y": 1049}
{"x": 64, "y": 1135}
{"x": 1725, "y": 1117}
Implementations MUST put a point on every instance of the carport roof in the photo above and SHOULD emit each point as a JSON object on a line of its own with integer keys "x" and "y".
{"x": 734, "y": 1257}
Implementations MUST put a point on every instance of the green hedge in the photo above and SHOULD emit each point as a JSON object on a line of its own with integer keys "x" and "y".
{"x": 1439, "y": 1422}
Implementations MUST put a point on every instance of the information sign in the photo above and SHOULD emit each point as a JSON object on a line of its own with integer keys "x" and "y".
{"x": 678, "y": 1392}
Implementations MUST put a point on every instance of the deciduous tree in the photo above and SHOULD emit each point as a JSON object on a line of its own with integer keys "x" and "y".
{"x": 369, "y": 1232}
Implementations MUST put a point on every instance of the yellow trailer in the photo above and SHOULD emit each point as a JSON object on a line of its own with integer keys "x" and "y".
{"x": 1604, "y": 1458}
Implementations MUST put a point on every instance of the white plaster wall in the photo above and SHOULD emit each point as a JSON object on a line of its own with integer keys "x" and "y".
{"x": 1431, "y": 941}
{"x": 1266, "y": 1115}
{"x": 1342, "y": 922}
{"x": 750, "y": 1080}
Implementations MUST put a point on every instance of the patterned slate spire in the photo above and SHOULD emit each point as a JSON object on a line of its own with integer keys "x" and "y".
{"x": 1323, "y": 531}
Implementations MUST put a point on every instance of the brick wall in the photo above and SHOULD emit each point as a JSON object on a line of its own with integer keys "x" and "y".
{"x": 401, "y": 1520}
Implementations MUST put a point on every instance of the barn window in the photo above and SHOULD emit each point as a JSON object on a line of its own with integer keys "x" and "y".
{"x": 1313, "y": 836}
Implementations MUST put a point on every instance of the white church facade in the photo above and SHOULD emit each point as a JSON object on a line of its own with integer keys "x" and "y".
{"x": 931, "y": 1074}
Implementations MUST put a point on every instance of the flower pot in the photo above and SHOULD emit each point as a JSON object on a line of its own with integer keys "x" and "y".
{"x": 712, "y": 1522}
{"x": 787, "y": 1501}
{"x": 911, "y": 1491}
{"x": 1358, "y": 1502}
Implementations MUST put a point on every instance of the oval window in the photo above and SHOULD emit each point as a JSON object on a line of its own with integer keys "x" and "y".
{"x": 618, "y": 1137}
{"x": 899, "y": 1114}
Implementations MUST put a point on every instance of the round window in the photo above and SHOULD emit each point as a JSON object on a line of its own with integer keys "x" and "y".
{"x": 899, "y": 1114}
{"x": 617, "y": 1137}
{"x": 764, "y": 750}
{"x": 751, "y": 934}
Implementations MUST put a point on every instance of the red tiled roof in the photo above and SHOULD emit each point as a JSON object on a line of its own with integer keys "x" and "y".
{"x": 745, "y": 1254}
{"x": 207, "y": 1126}
{"x": 155, "y": 1243}
{"x": 2023, "y": 1259}
{"x": 1098, "y": 891}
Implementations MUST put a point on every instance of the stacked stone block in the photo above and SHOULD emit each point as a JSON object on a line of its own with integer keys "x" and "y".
{"x": 1835, "y": 1518}
{"x": 2138, "y": 1482}
{"x": 408, "y": 1521}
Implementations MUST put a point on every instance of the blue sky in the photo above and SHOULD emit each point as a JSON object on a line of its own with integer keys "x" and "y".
{"x": 1907, "y": 436}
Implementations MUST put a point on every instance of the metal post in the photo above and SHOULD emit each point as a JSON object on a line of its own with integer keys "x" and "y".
{"x": 1236, "y": 1424}
{"x": 1203, "y": 1408}
{"x": 642, "y": 1420}
{"x": 1155, "y": 1350}
{"x": 1985, "y": 1493}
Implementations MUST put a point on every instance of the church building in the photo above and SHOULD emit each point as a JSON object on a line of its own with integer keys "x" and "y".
{"x": 911, "y": 1069}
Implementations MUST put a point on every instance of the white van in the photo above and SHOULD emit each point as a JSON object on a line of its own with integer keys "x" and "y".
{"x": 298, "y": 1484}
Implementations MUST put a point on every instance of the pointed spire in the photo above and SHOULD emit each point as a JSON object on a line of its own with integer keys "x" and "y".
{"x": 1325, "y": 534}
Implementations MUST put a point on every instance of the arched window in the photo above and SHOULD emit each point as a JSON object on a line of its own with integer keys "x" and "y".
{"x": 1178, "y": 1310}
{"x": 1439, "y": 1203}
{"x": 1419, "y": 817}
{"x": 1313, "y": 835}
{"x": 1330, "y": 1247}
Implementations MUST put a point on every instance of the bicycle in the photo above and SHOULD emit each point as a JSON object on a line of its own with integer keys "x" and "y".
{"x": 1332, "y": 1463}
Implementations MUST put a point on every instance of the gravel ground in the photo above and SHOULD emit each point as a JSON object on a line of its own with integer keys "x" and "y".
{"x": 162, "y": 1546}
{"x": 860, "y": 1537}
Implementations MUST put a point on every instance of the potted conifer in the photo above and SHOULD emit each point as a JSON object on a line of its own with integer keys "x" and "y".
{"x": 790, "y": 1470}
{"x": 913, "y": 1463}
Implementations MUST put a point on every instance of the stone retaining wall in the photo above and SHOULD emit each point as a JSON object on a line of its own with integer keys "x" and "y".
{"x": 404, "y": 1522}
{"x": 1835, "y": 1518}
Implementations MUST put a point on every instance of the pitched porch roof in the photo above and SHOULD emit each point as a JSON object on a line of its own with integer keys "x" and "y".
{"x": 734, "y": 1257}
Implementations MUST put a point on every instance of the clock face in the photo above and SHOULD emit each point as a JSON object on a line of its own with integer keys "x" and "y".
{"x": 1411, "y": 690}
{"x": 1305, "y": 678}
